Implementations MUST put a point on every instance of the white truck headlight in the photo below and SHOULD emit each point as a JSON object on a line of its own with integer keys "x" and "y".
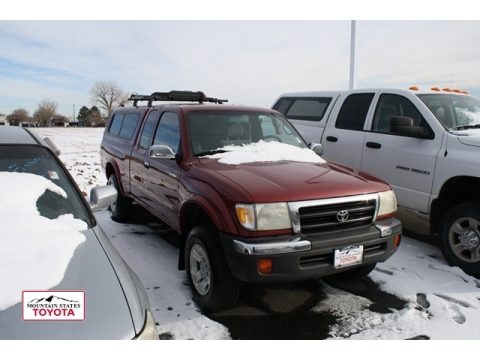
{"x": 273, "y": 216}
{"x": 387, "y": 206}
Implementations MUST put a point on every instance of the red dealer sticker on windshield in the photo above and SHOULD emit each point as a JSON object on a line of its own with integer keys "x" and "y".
{"x": 60, "y": 305}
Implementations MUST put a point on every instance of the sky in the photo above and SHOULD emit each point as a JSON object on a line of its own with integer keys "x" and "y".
{"x": 249, "y": 62}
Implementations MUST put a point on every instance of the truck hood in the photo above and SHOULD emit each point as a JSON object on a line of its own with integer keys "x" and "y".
{"x": 107, "y": 313}
{"x": 295, "y": 181}
{"x": 469, "y": 137}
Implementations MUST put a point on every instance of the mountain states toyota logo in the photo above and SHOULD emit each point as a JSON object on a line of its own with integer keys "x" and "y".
{"x": 53, "y": 305}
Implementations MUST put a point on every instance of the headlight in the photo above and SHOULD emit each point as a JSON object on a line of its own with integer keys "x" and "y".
{"x": 149, "y": 331}
{"x": 274, "y": 216}
{"x": 387, "y": 206}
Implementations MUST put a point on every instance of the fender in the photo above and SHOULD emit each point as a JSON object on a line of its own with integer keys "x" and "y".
{"x": 116, "y": 170}
{"x": 213, "y": 207}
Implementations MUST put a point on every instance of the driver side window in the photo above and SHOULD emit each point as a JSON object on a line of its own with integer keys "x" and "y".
{"x": 168, "y": 131}
{"x": 395, "y": 111}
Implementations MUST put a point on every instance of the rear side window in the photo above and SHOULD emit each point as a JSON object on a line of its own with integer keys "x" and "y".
{"x": 124, "y": 125}
{"x": 129, "y": 125}
{"x": 354, "y": 111}
{"x": 116, "y": 124}
{"x": 303, "y": 108}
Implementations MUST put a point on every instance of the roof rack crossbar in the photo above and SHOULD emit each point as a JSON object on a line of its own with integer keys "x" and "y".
{"x": 175, "y": 95}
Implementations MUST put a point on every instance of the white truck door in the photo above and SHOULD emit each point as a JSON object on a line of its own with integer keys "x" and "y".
{"x": 401, "y": 148}
{"x": 344, "y": 135}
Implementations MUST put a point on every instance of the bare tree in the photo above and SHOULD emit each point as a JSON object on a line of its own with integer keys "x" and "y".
{"x": 108, "y": 95}
{"x": 17, "y": 117}
{"x": 46, "y": 110}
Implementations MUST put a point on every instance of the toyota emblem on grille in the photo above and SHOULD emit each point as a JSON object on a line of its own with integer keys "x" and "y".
{"x": 342, "y": 215}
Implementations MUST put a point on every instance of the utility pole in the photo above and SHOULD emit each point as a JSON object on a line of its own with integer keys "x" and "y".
{"x": 73, "y": 118}
{"x": 352, "y": 55}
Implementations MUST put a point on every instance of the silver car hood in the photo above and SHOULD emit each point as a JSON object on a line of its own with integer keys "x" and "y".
{"x": 108, "y": 314}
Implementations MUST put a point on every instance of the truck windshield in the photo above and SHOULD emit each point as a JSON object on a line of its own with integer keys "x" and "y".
{"x": 210, "y": 131}
{"x": 455, "y": 112}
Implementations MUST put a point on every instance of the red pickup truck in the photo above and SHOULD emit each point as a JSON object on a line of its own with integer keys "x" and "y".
{"x": 250, "y": 200}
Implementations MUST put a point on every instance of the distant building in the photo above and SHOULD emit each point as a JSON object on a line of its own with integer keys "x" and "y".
{"x": 60, "y": 121}
{"x": 29, "y": 122}
{"x": 3, "y": 120}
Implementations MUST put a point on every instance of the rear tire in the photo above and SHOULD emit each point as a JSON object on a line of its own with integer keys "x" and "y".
{"x": 213, "y": 287}
{"x": 460, "y": 237}
{"x": 120, "y": 209}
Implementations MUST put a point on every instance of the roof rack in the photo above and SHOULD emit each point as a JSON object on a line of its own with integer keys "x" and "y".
{"x": 175, "y": 95}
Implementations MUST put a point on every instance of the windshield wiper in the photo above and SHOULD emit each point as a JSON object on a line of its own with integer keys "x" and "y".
{"x": 210, "y": 152}
{"x": 465, "y": 127}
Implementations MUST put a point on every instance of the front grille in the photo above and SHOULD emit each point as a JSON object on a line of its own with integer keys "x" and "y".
{"x": 321, "y": 218}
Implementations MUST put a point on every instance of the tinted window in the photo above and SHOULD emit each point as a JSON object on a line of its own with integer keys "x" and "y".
{"x": 282, "y": 105}
{"x": 303, "y": 108}
{"x": 116, "y": 124}
{"x": 354, "y": 111}
{"x": 168, "y": 131}
{"x": 148, "y": 129}
{"x": 129, "y": 125}
{"x": 394, "y": 106}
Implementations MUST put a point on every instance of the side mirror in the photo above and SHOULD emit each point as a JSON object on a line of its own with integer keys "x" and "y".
{"x": 102, "y": 197}
{"x": 317, "y": 148}
{"x": 403, "y": 125}
{"x": 161, "y": 152}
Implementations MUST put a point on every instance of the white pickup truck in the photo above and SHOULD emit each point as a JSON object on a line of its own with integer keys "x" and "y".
{"x": 426, "y": 144}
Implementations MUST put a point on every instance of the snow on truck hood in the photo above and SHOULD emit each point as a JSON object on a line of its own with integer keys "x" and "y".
{"x": 35, "y": 251}
{"x": 288, "y": 180}
{"x": 264, "y": 151}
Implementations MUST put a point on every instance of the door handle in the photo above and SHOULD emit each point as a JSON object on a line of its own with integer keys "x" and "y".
{"x": 146, "y": 164}
{"x": 373, "y": 145}
{"x": 332, "y": 138}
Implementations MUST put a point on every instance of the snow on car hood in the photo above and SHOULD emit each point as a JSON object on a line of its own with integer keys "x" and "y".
{"x": 264, "y": 151}
{"x": 470, "y": 137}
{"x": 35, "y": 250}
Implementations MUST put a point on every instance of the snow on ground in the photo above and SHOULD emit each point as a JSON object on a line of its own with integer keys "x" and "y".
{"x": 443, "y": 302}
{"x": 80, "y": 153}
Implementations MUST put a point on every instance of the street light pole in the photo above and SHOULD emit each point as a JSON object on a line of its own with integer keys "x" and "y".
{"x": 352, "y": 55}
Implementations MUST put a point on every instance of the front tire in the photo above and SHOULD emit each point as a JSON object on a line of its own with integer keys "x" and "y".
{"x": 460, "y": 237}
{"x": 213, "y": 287}
{"x": 121, "y": 208}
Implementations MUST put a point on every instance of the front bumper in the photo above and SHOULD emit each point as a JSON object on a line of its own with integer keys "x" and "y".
{"x": 296, "y": 257}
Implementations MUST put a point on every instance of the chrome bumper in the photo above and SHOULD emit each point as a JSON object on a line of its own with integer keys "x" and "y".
{"x": 284, "y": 247}
{"x": 297, "y": 244}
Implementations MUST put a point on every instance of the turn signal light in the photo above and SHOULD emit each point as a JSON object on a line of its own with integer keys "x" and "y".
{"x": 265, "y": 266}
{"x": 396, "y": 241}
